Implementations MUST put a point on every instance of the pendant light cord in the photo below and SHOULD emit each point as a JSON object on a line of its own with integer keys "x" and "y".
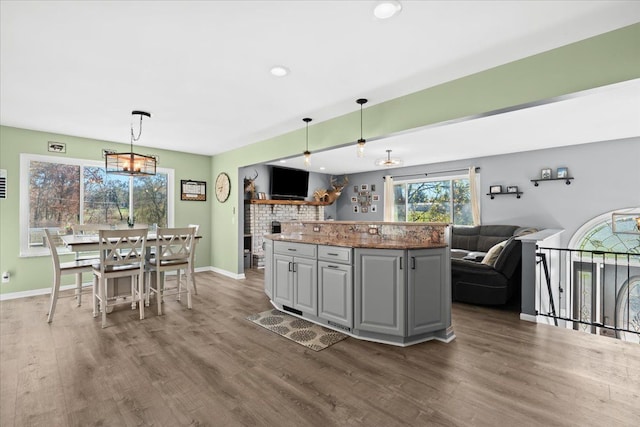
{"x": 361, "y": 122}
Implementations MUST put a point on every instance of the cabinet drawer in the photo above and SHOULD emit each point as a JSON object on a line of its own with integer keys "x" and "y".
{"x": 335, "y": 254}
{"x": 295, "y": 249}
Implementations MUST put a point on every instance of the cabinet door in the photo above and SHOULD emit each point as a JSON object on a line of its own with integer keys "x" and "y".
{"x": 283, "y": 279}
{"x": 427, "y": 300}
{"x": 305, "y": 285}
{"x": 268, "y": 267}
{"x": 335, "y": 293}
{"x": 380, "y": 291}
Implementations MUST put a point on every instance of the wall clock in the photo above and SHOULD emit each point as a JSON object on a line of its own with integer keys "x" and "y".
{"x": 223, "y": 187}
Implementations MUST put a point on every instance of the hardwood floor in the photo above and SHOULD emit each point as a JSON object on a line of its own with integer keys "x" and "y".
{"x": 210, "y": 366}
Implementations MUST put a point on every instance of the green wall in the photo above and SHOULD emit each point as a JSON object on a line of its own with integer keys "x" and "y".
{"x": 31, "y": 273}
{"x": 606, "y": 59}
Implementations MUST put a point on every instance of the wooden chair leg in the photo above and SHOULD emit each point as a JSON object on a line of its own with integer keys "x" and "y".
{"x": 95, "y": 296}
{"x": 140, "y": 294}
{"x": 78, "y": 289}
{"x": 133, "y": 293}
{"x": 188, "y": 279}
{"x": 159, "y": 289}
{"x": 54, "y": 297}
{"x": 193, "y": 280}
{"x": 103, "y": 300}
{"x": 147, "y": 294}
{"x": 179, "y": 285}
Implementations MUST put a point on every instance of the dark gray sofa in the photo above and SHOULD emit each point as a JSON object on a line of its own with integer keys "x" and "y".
{"x": 475, "y": 282}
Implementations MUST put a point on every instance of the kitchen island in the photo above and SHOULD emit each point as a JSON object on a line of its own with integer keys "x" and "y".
{"x": 383, "y": 282}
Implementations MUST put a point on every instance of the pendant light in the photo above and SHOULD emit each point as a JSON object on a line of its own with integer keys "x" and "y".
{"x": 361, "y": 141}
{"x": 388, "y": 161}
{"x": 307, "y": 153}
{"x": 131, "y": 164}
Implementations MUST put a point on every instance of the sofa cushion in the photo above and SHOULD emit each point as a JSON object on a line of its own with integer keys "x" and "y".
{"x": 492, "y": 256}
{"x": 490, "y": 235}
{"x": 465, "y": 237}
{"x": 510, "y": 257}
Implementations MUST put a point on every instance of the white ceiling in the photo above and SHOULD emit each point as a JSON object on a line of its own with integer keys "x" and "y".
{"x": 202, "y": 68}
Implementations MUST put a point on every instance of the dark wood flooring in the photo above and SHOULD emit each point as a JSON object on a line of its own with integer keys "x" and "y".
{"x": 210, "y": 366}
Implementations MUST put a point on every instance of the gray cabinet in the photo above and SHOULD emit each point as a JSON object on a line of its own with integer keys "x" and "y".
{"x": 267, "y": 245}
{"x": 283, "y": 279}
{"x": 395, "y": 296}
{"x": 380, "y": 291}
{"x": 295, "y": 277}
{"x": 305, "y": 285}
{"x": 428, "y": 297}
{"x": 335, "y": 293}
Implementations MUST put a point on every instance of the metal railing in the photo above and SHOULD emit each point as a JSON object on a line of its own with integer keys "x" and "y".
{"x": 593, "y": 291}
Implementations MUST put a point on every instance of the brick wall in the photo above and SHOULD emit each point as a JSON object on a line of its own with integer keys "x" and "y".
{"x": 258, "y": 218}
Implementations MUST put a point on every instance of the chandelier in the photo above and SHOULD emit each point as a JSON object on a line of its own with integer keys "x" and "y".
{"x": 131, "y": 164}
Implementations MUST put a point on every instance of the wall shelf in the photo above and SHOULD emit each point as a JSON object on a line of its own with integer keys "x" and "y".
{"x": 566, "y": 180}
{"x": 517, "y": 194}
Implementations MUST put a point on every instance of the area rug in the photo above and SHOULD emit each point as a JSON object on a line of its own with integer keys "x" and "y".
{"x": 301, "y": 331}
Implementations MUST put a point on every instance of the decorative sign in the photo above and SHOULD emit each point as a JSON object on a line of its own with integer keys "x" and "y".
{"x": 193, "y": 190}
{"x": 56, "y": 147}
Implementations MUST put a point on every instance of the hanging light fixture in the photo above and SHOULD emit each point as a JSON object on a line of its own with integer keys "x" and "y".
{"x": 361, "y": 141}
{"x": 307, "y": 153}
{"x": 131, "y": 164}
{"x": 388, "y": 161}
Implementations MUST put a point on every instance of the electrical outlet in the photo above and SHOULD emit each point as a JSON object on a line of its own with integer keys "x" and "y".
{"x": 5, "y": 277}
{"x": 316, "y": 228}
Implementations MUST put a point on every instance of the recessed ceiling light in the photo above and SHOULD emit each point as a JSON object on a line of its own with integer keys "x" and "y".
{"x": 279, "y": 71}
{"x": 322, "y": 168}
{"x": 283, "y": 161}
{"x": 386, "y": 9}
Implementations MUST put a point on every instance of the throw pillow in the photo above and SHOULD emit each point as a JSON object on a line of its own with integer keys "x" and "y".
{"x": 491, "y": 256}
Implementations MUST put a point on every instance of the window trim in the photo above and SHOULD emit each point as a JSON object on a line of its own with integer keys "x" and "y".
{"x": 25, "y": 161}
{"x": 450, "y": 178}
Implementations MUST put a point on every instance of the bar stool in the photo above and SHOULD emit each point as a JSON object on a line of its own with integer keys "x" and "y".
{"x": 121, "y": 255}
{"x": 172, "y": 252}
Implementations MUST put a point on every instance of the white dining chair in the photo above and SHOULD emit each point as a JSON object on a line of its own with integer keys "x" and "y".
{"x": 121, "y": 255}
{"x": 86, "y": 230}
{"x": 196, "y": 228}
{"x": 76, "y": 268}
{"x": 173, "y": 250}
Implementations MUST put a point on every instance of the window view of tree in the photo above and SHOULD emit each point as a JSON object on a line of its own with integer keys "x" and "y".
{"x": 150, "y": 200}
{"x": 64, "y": 194}
{"x": 106, "y": 198}
{"x": 434, "y": 201}
{"x": 54, "y": 198}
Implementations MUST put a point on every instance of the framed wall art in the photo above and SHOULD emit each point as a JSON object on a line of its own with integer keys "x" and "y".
{"x": 193, "y": 190}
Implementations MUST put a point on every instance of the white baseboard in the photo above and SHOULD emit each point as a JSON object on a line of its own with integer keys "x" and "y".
{"x": 47, "y": 290}
{"x": 36, "y": 292}
{"x": 529, "y": 317}
{"x": 236, "y": 276}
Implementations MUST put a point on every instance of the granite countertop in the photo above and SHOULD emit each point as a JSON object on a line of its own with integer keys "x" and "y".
{"x": 357, "y": 241}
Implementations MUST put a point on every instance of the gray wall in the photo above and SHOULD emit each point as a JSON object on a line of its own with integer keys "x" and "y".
{"x": 607, "y": 177}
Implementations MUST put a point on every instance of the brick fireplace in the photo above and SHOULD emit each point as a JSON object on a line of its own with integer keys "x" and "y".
{"x": 260, "y": 214}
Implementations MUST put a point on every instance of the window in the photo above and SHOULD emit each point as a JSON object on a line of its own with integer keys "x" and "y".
{"x": 445, "y": 199}
{"x": 56, "y": 193}
{"x": 608, "y": 285}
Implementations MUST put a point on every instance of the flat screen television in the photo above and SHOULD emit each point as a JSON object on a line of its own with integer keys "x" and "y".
{"x": 289, "y": 184}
